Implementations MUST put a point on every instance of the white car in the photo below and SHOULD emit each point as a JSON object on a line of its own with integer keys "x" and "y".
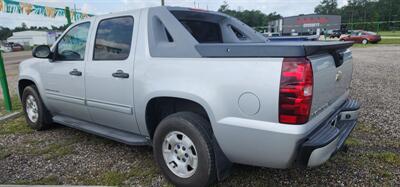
{"x": 5, "y": 49}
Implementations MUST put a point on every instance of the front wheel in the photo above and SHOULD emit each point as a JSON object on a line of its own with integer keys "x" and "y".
{"x": 365, "y": 41}
{"x": 183, "y": 149}
{"x": 36, "y": 114}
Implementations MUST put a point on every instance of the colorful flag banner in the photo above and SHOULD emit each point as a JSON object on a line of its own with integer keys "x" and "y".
{"x": 1, "y": 5}
{"x": 14, "y": 7}
{"x": 26, "y": 8}
{"x": 39, "y": 10}
{"x": 60, "y": 12}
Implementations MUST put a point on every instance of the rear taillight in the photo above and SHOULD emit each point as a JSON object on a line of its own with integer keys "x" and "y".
{"x": 296, "y": 88}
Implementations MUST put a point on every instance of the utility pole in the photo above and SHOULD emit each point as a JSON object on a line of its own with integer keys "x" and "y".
{"x": 75, "y": 12}
{"x": 162, "y": 3}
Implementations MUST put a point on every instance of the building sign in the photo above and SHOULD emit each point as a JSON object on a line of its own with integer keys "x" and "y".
{"x": 311, "y": 25}
{"x": 312, "y": 20}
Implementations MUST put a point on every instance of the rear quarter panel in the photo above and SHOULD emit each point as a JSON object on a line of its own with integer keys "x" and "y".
{"x": 214, "y": 83}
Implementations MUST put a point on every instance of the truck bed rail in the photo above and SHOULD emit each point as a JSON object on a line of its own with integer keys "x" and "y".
{"x": 270, "y": 49}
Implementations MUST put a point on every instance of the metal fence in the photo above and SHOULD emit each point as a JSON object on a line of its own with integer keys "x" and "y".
{"x": 378, "y": 26}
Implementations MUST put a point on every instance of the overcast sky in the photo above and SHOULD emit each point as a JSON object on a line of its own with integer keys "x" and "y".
{"x": 283, "y": 7}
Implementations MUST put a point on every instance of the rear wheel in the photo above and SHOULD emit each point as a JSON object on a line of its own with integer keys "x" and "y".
{"x": 183, "y": 149}
{"x": 364, "y": 41}
{"x": 36, "y": 114}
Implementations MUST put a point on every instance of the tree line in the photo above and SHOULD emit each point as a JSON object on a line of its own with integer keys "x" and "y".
{"x": 253, "y": 18}
{"x": 6, "y": 32}
{"x": 357, "y": 14}
{"x": 364, "y": 14}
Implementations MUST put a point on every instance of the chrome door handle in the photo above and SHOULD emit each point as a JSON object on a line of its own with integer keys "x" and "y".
{"x": 75, "y": 72}
{"x": 120, "y": 74}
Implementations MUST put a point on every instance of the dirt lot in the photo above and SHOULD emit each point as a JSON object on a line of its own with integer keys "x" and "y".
{"x": 66, "y": 156}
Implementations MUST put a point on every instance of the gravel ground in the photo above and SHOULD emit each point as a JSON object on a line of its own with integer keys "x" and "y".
{"x": 65, "y": 156}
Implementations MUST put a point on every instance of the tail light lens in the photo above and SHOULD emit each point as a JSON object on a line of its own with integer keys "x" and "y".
{"x": 296, "y": 89}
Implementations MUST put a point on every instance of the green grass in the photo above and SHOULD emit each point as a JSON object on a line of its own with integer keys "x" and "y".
{"x": 15, "y": 103}
{"x": 113, "y": 178}
{"x": 387, "y": 157}
{"x": 390, "y": 41}
{"x": 352, "y": 142}
{"x": 383, "y": 41}
{"x": 390, "y": 33}
{"x": 58, "y": 150}
{"x": 54, "y": 150}
{"x": 363, "y": 46}
{"x": 16, "y": 126}
{"x": 378, "y": 165}
{"x": 364, "y": 128}
{"x": 142, "y": 172}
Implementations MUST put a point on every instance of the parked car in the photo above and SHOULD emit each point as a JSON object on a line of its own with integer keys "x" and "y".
{"x": 363, "y": 37}
{"x": 273, "y": 34}
{"x": 335, "y": 33}
{"x": 4, "y": 48}
{"x": 186, "y": 83}
{"x": 11, "y": 46}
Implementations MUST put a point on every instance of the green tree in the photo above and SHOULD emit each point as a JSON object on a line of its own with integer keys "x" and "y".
{"x": 5, "y": 33}
{"x": 253, "y": 18}
{"x": 23, "y": 27}
{"x": 328, "y": 7}
{"x": 364, "y": 14}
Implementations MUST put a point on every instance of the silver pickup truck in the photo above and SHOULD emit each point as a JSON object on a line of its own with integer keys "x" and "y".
{"x": 200, "y": 87}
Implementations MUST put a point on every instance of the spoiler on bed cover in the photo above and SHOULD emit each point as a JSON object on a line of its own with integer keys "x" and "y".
{"x": 270, "y": 49}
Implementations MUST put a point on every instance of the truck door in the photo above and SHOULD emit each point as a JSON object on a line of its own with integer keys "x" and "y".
{"x": 63, "y": 77}
{"x": 109, "y": 72}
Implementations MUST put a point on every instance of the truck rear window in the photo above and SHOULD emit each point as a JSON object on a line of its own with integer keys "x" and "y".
{"x": 203, "y": 31}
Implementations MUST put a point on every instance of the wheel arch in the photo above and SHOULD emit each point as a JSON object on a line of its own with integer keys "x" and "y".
{"x": 24, "y": 82}
{"x": 158, "y": 107}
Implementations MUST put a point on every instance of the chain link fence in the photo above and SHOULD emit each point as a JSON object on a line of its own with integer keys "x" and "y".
{"x": 379, "y": 26}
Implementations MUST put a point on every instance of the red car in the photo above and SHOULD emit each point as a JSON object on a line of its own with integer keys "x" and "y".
{"x": 14, "y": 46}
{"x": 363, "y": 37}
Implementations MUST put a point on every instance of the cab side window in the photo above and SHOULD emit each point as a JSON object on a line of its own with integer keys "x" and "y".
{"x": 73, "y": 44}
{"x": 113, "y": 39}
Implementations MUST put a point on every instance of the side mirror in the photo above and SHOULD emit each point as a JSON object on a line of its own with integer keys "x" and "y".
{"x": 41, "y": 51}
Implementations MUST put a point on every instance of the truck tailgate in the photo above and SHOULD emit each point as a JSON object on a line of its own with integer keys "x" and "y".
{"x": 331, "y": 80}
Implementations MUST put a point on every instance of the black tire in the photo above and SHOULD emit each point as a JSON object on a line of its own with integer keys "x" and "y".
{"x": 198, "y": 130}
{"x": 44, "y": 119}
